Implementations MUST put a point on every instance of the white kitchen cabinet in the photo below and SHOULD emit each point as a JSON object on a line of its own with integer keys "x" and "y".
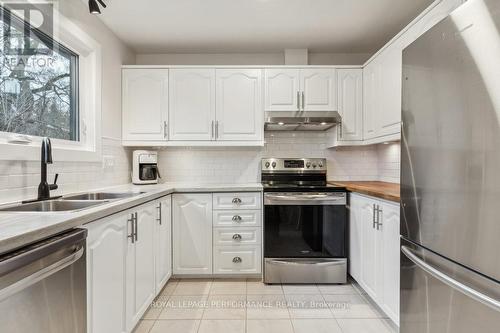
{"x": 282, "y": 89}
{"x": 374, "y": 250}
{"x": 350, "y": 103}
{"x": 106, "y": 256}
{"x": 371, "y": 99}
{"x": 300, "y": 89}
{"x": 192, "y": 104}
{"x": 237, "y": 259}
{"x": 318, "y": 89}
{"x": 163, "y": 242}
{"x": 239, "y": 108}
{"x": 140, "y": 277}
{"x": 192, "y": 233}
{"x": 145, "y": 104}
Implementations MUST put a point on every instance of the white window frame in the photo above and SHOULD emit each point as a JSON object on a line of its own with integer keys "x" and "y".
{"x": 21, "y": 147}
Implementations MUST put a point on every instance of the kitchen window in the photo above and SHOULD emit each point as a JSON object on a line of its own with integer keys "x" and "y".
{"x": 39, "y": 83}
{"x": 50, "y": 86}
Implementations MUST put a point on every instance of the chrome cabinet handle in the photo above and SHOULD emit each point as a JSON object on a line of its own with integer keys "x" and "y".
{"x": 379, "y": 224}
{"x": 165, "y": 129}
{"x": 298, "y": 100}
{"x": 373, "y": 218}
{"x": 237, "y": 218}
{"x": 136, "y": 226}
{"x": 449, "y": 281}
{"x": 213, "y": 131}
{"x": 237, "y": 237}
{"x": 303, "y": 101}
{"x": 216, "y": 129}
{"x": 132, "y": 225}
{"x": 159, "y": 213}
{"x": 237, "y": 260}
{"x": 236, "y": 201}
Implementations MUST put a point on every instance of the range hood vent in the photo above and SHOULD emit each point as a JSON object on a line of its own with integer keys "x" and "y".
{"x": 301, "y": 121}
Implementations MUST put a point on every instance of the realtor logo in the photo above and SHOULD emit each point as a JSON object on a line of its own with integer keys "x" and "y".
{"x": 25, "y": 25}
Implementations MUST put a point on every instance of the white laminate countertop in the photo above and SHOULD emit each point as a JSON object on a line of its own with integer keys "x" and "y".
{"x": 21, "y": 228}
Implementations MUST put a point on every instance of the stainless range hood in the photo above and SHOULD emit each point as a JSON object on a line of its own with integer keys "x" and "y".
{"x": 301, "y": 121}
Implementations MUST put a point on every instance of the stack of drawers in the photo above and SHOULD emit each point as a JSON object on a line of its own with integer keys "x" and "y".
{"x": 237, "y": 233}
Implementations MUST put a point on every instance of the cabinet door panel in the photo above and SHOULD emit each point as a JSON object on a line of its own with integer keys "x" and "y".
{"x": 239, "y": 104}
{"x": 355, "y": 237}
{"x": 145, "y": 104}
{"x": 282, "y": 88}
{"x": 106, "y": 253}
{"x": 371, "y": 99}
{"x": 389, "y": 116}
{"x": 163, "y": 257}
{"x": 319, "y": 89}
{"x": 370, "y": 251}
{"x": 192, "y": 233}
{"x": 140, "y": 265}
{"x": 350, "y": 92}
{"x": 192, "y": 104}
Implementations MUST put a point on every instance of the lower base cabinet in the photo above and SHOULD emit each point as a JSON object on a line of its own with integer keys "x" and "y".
{"x": 374, "y": 250}
{"x": 128, "y": 263}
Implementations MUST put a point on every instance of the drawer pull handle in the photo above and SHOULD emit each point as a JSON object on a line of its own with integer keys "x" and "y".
{"x": 237, "y": 260}
{"x": 237, "y": 218}
{"x": 237, "y": 237}
{"x": 236, "y": 201}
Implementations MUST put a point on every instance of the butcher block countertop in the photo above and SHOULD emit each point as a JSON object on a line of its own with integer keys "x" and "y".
{"x": 382, "y": 190}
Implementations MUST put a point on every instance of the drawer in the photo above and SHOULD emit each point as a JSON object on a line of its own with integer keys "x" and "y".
{"x": 237, "y": 259}
{"x": 237, "y": 236}
{"x": 234, "y": 218}
{"x": 241, "y": 200}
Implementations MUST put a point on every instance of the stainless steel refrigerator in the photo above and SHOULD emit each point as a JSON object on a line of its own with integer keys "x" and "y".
{"x": 450, "y": 175}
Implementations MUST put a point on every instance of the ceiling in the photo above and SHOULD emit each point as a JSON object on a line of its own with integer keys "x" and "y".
{"x": 229, "y": 26}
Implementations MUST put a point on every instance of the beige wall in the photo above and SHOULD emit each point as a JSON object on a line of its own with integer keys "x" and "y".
{"x": 248, "y": 59}
{"x": 114, "y": 54}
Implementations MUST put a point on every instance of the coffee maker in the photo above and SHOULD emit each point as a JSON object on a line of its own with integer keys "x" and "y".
{"x": 145, "y": 167}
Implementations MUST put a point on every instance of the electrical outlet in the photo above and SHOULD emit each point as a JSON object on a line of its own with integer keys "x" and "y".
{"x": 108, "y": 162}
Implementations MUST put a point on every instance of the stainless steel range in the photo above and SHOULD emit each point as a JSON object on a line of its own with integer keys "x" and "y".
{"x": 305, "y": 223}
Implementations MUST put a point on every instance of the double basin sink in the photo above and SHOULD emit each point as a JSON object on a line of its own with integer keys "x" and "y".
{"x": 71, "y": 202}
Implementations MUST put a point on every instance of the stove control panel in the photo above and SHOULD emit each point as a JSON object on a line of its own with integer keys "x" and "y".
{"x": 298, "y": 165}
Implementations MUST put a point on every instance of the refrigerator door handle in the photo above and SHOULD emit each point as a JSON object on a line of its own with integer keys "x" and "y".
{"x": 466, "y": 290}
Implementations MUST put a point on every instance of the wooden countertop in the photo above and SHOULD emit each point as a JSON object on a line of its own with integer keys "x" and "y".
{"x": 383, "y": 190}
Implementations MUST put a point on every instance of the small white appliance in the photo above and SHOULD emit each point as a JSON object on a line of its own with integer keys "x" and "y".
{"x": 145, "y": 167}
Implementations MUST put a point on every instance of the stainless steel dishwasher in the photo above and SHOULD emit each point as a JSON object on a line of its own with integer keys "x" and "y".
{"x": 43, "y": 286}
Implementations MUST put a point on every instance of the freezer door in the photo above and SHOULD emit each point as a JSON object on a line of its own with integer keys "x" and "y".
{"x": 439, "y": 296}
{"x": 450, "y": 158}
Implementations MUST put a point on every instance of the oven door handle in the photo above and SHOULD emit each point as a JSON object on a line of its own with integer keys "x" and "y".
{"x": 304, "y": 262}
{"x": 304, "y": 198}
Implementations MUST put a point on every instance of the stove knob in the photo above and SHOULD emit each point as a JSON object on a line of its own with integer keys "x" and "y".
{"x": 320, "y": 164}
{"x": 268, "y": 164}
{"x": 314, "y": 165}
{"x": 308, "y": 164}
{"x": 274, "y": 165}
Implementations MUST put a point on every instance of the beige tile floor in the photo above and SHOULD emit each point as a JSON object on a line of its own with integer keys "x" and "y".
{"x": 249, "y": 306}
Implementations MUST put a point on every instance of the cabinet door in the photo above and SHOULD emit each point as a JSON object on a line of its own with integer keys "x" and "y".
{"x": 106, "y": 253}
{"x": 239, "y": 105}
{"x": 282, "y": 89}
{"x": 163, "y": 242}
{"x": 390, "y": 250}
{"x": 371, "y": 99}
{"x": 192, "y": 104}
{"x": 370, "y": 250}
{"x": 318, "y": 89}
{"x": 140, "y": 265}
{"x": 145, "y": 104}
{"x": 192, "y": 233}
{"x": 355, "y": 237}
{"x": 350, "y": 103}
{"x": 389, "y": 114}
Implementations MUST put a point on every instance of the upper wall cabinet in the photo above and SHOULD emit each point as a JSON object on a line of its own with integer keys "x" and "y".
{"x": 192, "y": 104}
{"x": 145, "y": 104}
{"x": 350, "y": 103}
{"x": 307, "y": 89}
{"x": 239, "y": 112}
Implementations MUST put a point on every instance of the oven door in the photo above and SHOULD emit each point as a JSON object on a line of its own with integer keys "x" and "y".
{"x": 305, "y": 225}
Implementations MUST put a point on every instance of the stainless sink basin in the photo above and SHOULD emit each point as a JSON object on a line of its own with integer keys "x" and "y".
{"x": 52, "y": 206}
{"x": 102, "y": 196}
